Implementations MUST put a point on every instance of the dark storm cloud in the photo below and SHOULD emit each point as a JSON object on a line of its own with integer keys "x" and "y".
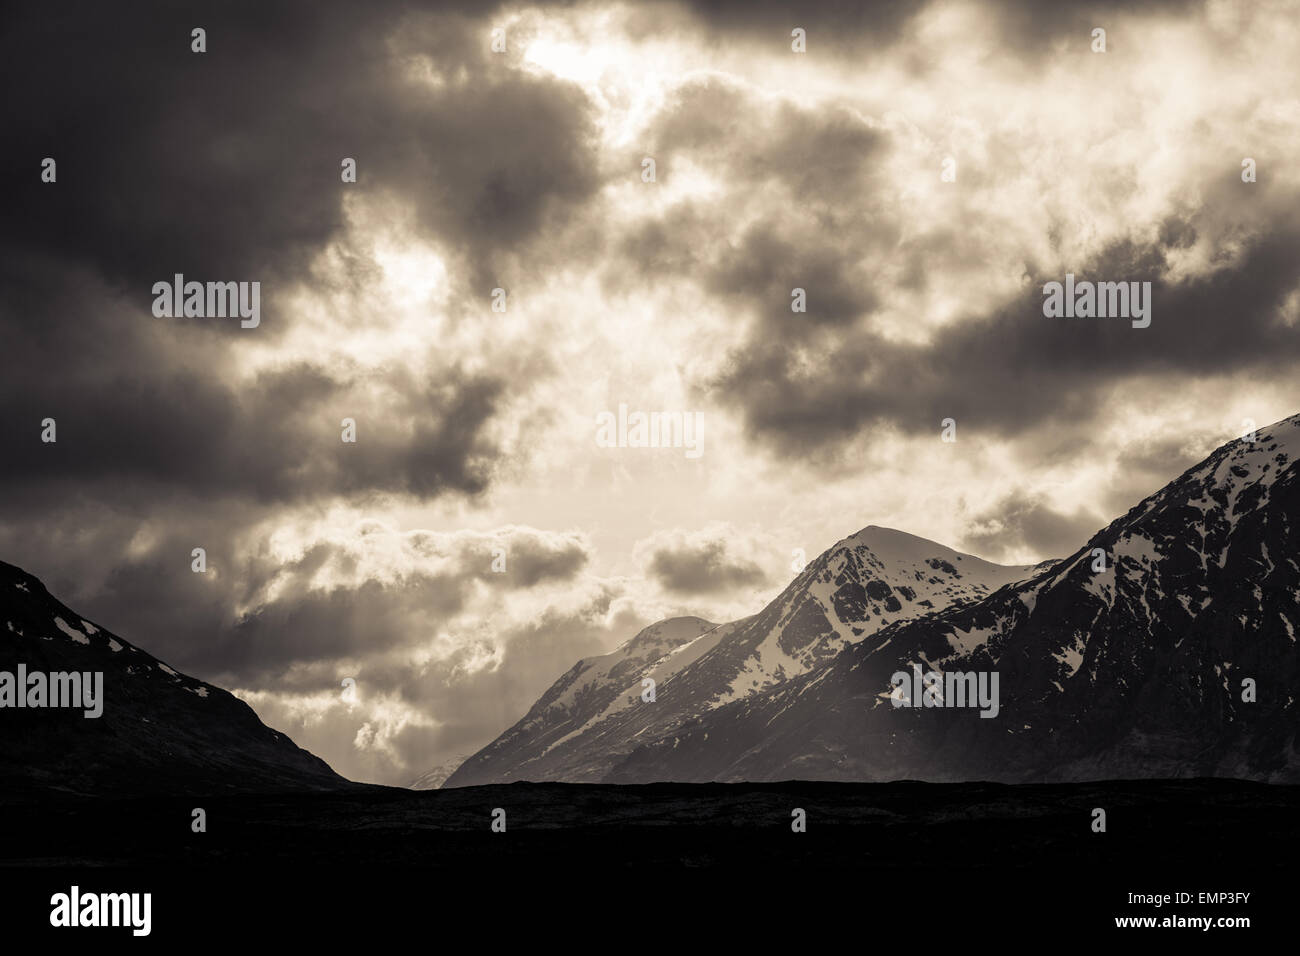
{"x": 1147, "y": 467}
{"x": 1015, "y": 369}
{"x": 815, "y": 179}
{"x": 275, "y": 440}
{"x": 1024, "y": 521}
{"x": 532, "y": 654}
{"x": 225, "y": 165}
{"x": 702, "y": 567}
{"x": 487, "y": 164}
{"x": 1162, "y": 459}
{"x": 471, "y": 703}
{"x": 1031, "y": 26}
{"x": 304, "y": 624}
{"x": 769, "y": 263}
{"x": 138, "y": 581}
{"x": 843, "y": 26}
{"x": 821, "y": 215}
{"x": 814, "y": 152}
{"x": 805, "y": 382}
{"x": 848, "y": 28}
{"x": 324, "y": 626}
{"x": 532, "y": 558}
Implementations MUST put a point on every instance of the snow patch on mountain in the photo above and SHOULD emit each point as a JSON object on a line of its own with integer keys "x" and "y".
{"x": 73, "y": 633}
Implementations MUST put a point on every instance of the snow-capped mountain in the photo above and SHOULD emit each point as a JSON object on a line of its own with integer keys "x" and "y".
{"x": 435, "y": 778}
{"x": 1133, "y": 657}
{"x": 595, "y": 715}
{"x": 159, "y": 730}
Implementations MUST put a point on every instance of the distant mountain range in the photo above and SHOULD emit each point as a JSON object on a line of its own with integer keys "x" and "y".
{"x": 159, "y": 731}
{"x": 1129, "y": 658}
{"x": 593, "y": 716}
{"x": 435, "y": 778}
{"x": 1165, "y": 646}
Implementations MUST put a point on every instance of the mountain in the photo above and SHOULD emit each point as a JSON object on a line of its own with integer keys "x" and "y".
{"x": 594, "y": 716}
{"x": 159, "y": 730}
{"x": 435, "y": 778}
{"x": 1132, "y": 670}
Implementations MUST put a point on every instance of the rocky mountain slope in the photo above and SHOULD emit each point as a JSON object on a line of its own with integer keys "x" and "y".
{"x": 594, "y": 716}
{"x": 159, "y": 731}
{"x": 1134, "y": 665}
{"x": 435, "y": 778}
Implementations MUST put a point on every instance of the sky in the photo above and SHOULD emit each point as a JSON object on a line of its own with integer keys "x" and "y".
{"x": 919, "y": 170}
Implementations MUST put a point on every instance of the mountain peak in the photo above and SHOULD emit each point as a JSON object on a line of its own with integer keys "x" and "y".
{"x": 594, "y": 714}
{"x": 892, "y": 542}
{"x": 667, "y": 633}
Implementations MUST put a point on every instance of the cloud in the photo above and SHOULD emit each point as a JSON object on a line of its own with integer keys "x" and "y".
{"x": 275, "y": 438}
{"x": 414, "y": 709}
{"x": 711, "y": 561}
{"x": 230, "y": 170}
{"x": 1023, "y": 521}
{"x": 1012, "y": 370}
{"x": 838, "y": 25}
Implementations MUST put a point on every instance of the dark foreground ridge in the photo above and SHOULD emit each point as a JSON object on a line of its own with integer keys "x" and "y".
{"x": 1011, "y": 860}
{"x": 873, "y": 826}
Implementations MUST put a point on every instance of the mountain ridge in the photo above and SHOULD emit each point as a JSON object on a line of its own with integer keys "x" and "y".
{"x": 1112, "y": 673}
{"x": 160, "y": 730}
{"x": 862, "y": 583}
